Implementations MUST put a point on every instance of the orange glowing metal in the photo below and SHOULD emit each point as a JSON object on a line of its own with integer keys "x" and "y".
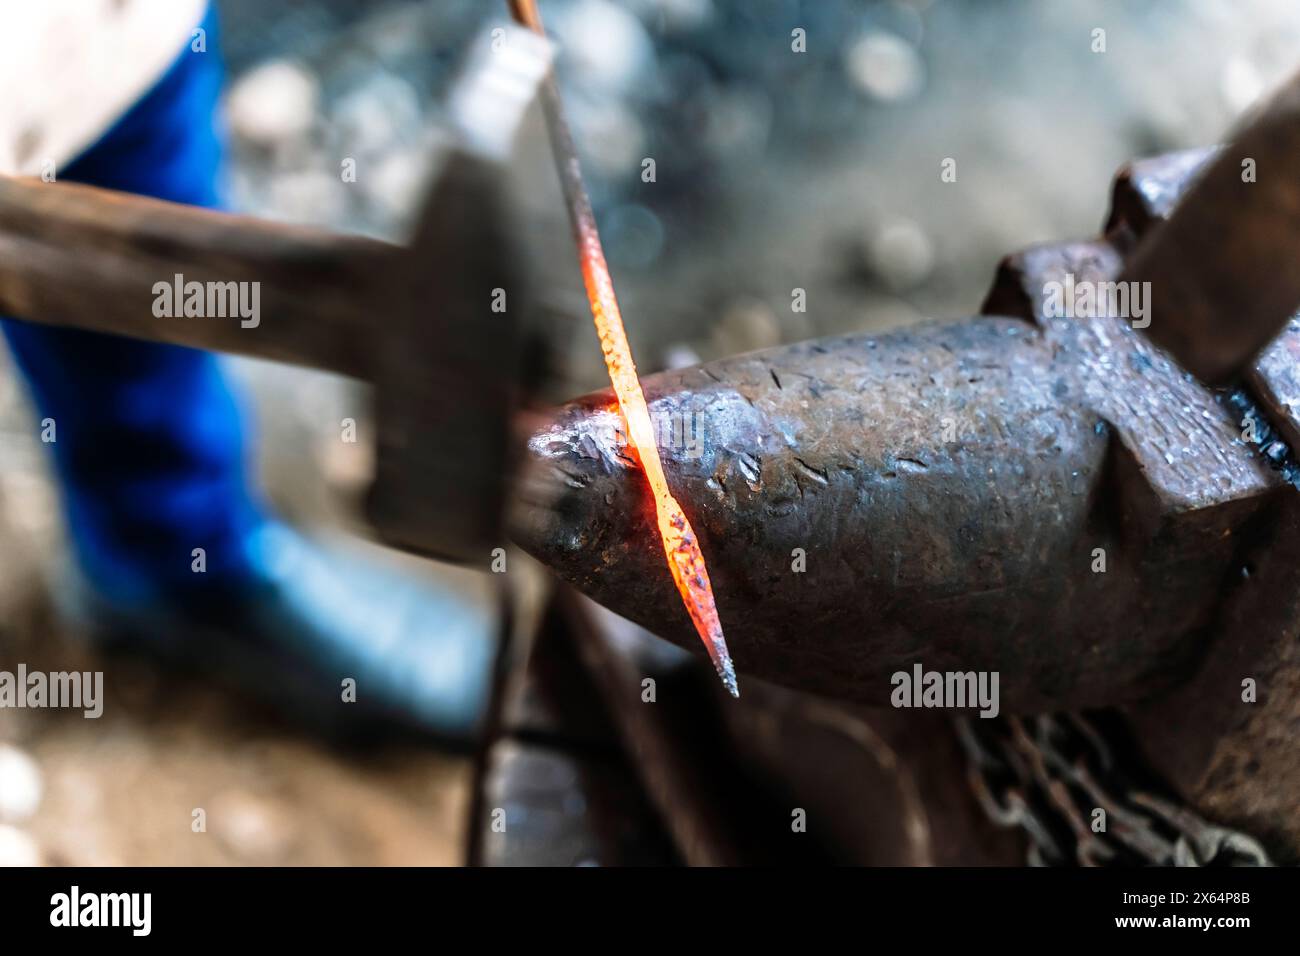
{"x": 685, "y": 559}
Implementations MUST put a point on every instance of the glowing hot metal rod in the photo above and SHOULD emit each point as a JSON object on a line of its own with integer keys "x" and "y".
{"x": 681, "y": 547}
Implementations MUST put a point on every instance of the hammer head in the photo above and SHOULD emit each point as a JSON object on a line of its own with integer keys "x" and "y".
{"x": 457, "y": 302}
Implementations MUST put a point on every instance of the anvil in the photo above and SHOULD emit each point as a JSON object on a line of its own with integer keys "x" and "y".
{"x": 1051, "y": 497}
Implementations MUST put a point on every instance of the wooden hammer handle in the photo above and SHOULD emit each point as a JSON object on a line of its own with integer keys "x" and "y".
{"x": 74, "y": 255}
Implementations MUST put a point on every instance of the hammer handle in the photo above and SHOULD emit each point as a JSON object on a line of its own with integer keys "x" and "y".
{"x": 73, "y": 255}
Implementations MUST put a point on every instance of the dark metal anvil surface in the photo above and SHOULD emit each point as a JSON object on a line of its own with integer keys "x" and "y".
{"x": 1049, "y": 498}
{"x": 954, "y": 489}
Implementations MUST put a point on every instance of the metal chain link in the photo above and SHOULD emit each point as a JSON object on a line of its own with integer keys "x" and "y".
{"x": 1057, "y": 778}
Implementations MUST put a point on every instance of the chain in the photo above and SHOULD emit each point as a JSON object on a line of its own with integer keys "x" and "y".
{"x": 1060, "y": 779}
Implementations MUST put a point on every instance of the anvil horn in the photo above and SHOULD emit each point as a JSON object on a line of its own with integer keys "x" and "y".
{"x": 1051, "y": 499}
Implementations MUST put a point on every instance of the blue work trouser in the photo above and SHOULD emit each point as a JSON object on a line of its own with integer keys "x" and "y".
{"x": 149, "y": 445}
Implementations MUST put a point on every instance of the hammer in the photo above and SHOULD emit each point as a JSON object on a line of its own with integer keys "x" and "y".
{"x": 438, "y": 325}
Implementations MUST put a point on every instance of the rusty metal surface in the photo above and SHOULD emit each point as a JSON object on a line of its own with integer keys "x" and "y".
{"x": 1236, "y": 761}
{"x": 1184, "y": 442}
{"x": 1275, "y": 383}
{"x": 1145, "y": 193}
{"x": 1222, "y": 268}
{"x": 1233, "y": 761}
{"x": 834, "y": 447}
{"x": 948, "y": 484}
{"x": 1146, "y": 190}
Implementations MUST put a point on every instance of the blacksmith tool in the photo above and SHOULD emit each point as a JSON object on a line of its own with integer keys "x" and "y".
{"x": 417, "y": 320}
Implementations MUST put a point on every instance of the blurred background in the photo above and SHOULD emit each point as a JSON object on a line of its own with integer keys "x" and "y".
{"x": 774, "y": 170}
